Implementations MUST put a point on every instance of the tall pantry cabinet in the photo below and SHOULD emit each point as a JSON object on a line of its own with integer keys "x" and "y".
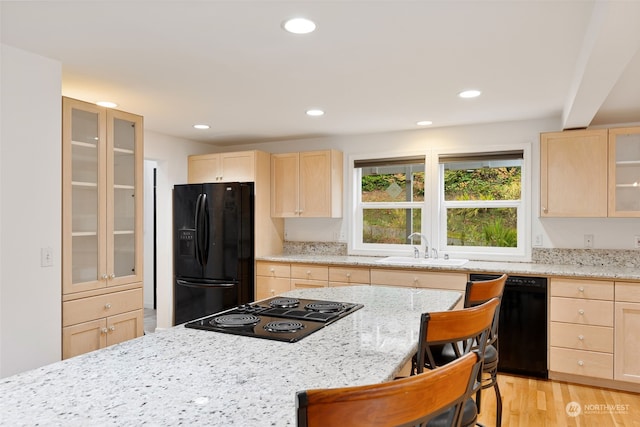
{"x": 102, "y": 227}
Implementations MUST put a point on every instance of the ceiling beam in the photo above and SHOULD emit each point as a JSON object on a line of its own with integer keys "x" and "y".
{"x": 611, "y": 41}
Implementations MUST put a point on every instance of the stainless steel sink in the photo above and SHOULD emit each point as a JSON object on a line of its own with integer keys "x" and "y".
{"x": 405, "y": 260}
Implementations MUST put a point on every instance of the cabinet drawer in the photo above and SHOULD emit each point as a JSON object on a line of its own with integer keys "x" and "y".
{"x": 419, "y": 279}
{"x": 628, "y": 292}
{"x": 309, "y": 272}
{"x": 91, "y": 308}
{"x": 267, "y": 287}
{"x": 578, "y": 362}
{"x": 581, "y": 337}
{"x": 582, "y": 311}
{"x": 305, "y": 284}
{"x": 273, "y": 269}
{"x": 587, "y": 289}
{"x": 349, "y": 275}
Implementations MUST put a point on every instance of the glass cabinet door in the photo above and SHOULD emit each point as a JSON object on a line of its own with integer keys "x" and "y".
{"x": 83, "y": 222}
{"x": 624, "y": 172}
{"x": 124, "y": 204}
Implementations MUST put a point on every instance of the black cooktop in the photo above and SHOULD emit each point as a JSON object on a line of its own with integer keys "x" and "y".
{"x": 278, "y": 318}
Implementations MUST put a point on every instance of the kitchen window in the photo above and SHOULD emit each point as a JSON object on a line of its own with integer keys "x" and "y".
{"x": 390, "y": 201}
{"x": 481, "y": 207}
{"x": 468, "y": 205}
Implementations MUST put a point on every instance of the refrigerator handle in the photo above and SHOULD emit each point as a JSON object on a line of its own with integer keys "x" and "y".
{"x": 198, "y": 229}
{"x": 205, "y": 231}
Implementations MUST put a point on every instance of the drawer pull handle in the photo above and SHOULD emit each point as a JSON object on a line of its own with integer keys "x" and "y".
{"x": 104, "y": 330}
{"x": 107, "y": 306}
{"x": 308, "y": 272}
{"x": 581, "y": 312}
{"x": 581, "y": 337}
{"x": 272, "y": 270}
{"x": 580, "y": 363}
{"x": 348, "y": 275}
{"x": 581, "y": 289}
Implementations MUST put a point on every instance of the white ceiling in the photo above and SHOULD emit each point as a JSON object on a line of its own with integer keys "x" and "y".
{"x": 373, "y": 66}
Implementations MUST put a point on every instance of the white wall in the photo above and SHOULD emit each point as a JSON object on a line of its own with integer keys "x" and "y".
{"x": 609, "y": 233}
{"x": 30, "y": 210}
{"x": 170, "y": 153}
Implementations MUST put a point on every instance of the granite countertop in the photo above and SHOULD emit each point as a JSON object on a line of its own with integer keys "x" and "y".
{"x": 533, "y": 269}
{"x": 182, "y": 376}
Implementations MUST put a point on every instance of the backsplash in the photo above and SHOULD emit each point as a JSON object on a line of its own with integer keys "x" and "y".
{"x": 314, "y": 248}
{"x": 594, "y": 257}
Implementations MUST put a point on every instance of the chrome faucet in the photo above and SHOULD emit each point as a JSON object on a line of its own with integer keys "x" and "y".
{"x": 416, "y": 251}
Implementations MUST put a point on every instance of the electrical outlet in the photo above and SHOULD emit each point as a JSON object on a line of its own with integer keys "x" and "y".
{"x": 636, "y": 240}
{"x": 538, "y": 240}
{"x": 588, "y": 240}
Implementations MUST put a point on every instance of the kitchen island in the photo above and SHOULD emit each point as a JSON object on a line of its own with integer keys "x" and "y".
{"x": 183, "y": 376}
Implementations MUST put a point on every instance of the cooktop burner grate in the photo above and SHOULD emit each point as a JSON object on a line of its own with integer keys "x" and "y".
{"x": 235, "y": 320}
{"x": 284, "y": 326}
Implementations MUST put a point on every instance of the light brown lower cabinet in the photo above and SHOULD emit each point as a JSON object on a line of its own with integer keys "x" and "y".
{"x": 98, "y": 321}
{"x": 272, "y": 278}
{"x": 627, "y": 343}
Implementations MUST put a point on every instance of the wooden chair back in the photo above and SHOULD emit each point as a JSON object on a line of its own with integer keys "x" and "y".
{"x": 479, "y": 292}
{"x": 405, "y": 402}
{"x": 466, "y": 330}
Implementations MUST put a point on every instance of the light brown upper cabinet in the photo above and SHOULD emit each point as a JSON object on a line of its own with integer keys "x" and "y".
{"x": 590, "y": 173}
{"x": 573, "y": 173}
{"x": 222, "y": 167}
{"x": 307, "y": 184}
{"x": 101, "y": 197}
{"x": 624, "y": 172}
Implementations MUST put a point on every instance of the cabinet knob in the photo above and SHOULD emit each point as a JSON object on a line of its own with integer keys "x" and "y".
{"x": 581, "y": 337}
{"x": 545, "y": 210}
{"x": 308, "y": 272}
{"x": 107, "y": 306}
{"x": 348, "y": 275}
{"x": 105, "y": 277}
{"x": 580, "y": 363}
{"x": 112, "y": 276}
{"x": 581, "y": 312}
{"x": 103, "y": 331}
{"x": 272, "y": 270}
{"x": 581, "y": 289}
{"x": 112, "y": 328}
{"x": 415, "y": 280}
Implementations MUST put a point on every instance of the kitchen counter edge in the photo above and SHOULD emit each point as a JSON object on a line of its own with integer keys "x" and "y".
{"x": 520, "y": 268}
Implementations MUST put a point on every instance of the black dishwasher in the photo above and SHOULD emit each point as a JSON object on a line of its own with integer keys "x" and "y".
{"x": 522, "y": 331}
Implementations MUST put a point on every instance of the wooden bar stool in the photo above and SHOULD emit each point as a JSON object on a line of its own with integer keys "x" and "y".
{"x": 463, "y": 331}
{"x": 409, "y": 401}
{"x": 479, "y": 292}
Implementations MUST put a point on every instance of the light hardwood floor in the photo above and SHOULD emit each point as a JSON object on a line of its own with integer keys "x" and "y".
{"x": 528, "y": 402}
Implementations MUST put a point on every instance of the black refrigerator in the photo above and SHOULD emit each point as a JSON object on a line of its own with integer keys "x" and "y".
{"x": 213, "y": 248}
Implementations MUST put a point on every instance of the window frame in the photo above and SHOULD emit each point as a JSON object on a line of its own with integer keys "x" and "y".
{"x": 434, "y": 209}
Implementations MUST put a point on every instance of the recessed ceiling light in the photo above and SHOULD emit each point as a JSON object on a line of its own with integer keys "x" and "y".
{"x": 201, "y": 126}
{"x": 471, "y": 93}
{"x": 107, "y": 104}
{"x": 299, "y": 25}
{"x": 315, "y": 113}
{"x": 424, "y": 123}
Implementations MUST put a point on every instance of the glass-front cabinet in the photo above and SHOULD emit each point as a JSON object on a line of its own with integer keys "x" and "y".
{"x": 624, "y": 172}
{"x": 102, "y": 197}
